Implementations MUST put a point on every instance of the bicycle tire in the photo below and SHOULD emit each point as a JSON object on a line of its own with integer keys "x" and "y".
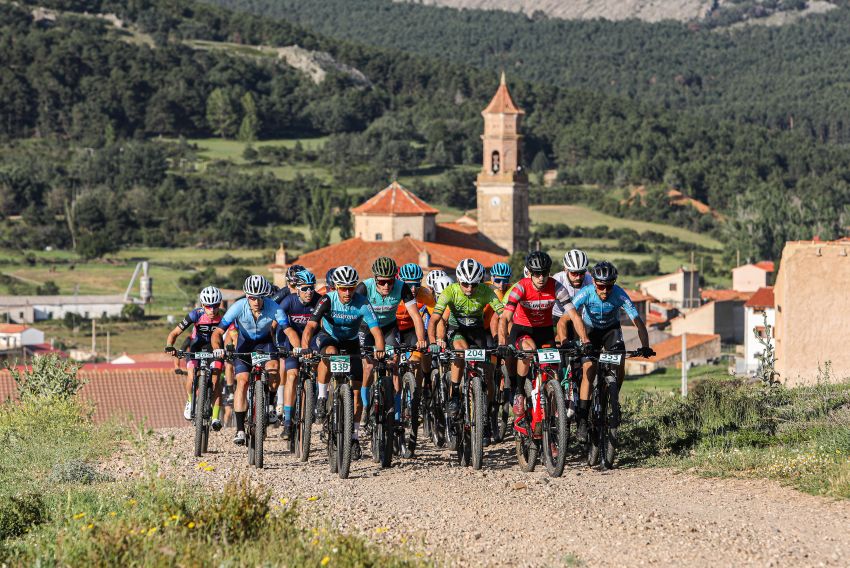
{"x": 555, "y": 433}
{"x": 464, "y": 434}
{"x": 346, "y": 430}
{"x": 479, "y": 419}
{"x": 609, "y": 452}
{"x": 594, "y": 428}
{"x": 331, "y": 427}
{"x": 249, "y": 427}
{"x": 409, "y": 415}
{"x": 526, "y": 447}
{"x": 386, "y": 426}
{"x": 449, "y": 425}
{"x": 375, "y": 403}
{"x": 305, "y": 422}
{"x": 260, "y": 410}
{"x": 200, "y": 402}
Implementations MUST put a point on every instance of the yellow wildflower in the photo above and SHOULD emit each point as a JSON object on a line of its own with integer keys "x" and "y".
{"x": 284, "y": 501}
{"x": 191, "y": 524}
{"x": 209, "y": 468}
{"x": 132, "y": 502}
{"x": 152, "y": 530}
{"x": 79, "y": 516}
{"x": 381, "y": 530}
{"x": 313, "y": 498}
{"x": 325, "y": 560}
{"x": 111, "y": 513}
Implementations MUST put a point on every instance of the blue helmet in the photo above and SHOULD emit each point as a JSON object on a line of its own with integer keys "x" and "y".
{"x": 410, "y": 272}
{"x": 501, "y": 270}
{"x": 303, "y": 277}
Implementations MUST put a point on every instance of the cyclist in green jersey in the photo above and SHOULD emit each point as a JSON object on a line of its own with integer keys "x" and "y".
{"x": 466, "y": 299}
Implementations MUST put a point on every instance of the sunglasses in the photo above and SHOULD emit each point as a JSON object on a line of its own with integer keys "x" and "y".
{"x": 578, "y": 273}
{"x": 345, "y": 288}
{"x": 603, "y": 285}
{"x": 414, "y": 284}
{"x": 254, "y": 298}
{"x": 501, "y": 280}
{"x": 470, "y": 286}
{"x": 213, "y": 306}
{"x": 539, "y": 274}
{"x": 383, "y": 282}
{"x": 307, "y": 289}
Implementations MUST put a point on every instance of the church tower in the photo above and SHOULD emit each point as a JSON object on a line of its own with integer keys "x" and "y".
{"x": 502, "y": 184}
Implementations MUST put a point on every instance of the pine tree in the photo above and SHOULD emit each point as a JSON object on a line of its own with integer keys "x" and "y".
{"x": 250, "y": 122}
{"x": 221, "y": 114}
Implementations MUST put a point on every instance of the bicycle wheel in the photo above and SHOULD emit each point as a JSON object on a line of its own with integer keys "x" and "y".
{"x": 260, "y": 410}
{"x": 207, "y": 416}
{"x": 449, "y": 426}
{"x": 594, "y": 427}
{"x": 376, "y": 402}
{"x": 555, "y": 433}
{"x": 345, "y": 421}
{"x": 409, "y": 415}
{"x": 332, "y": 425}
{"x": 305, "y": 421}
{"x": 249, "y": 426}
{"x": 200, "y": 395}
{"x": 479, "y": 419}
{"x": 610, "y": 449}
{"x": 386, "y": 423}
{"x": 526, "y": 447}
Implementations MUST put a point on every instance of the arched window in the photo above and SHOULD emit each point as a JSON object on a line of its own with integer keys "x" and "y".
{"x": 495, "y": 162}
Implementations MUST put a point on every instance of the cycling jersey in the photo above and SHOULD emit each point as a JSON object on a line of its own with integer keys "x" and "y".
{"x": 468, "y": 311}
{"x": 488, "y": 311}
{"x": 250, "y": 327}
{"x": 281, "y": 295}
{"x": 203, "y": 327}
{"x": 601, "y": 314}
{"x": 533, "y": 307}
{"x": 298, "y": 312}
{"x": 342, "y": 321}
{"x": 425, "y": 305}
{"x": 564, "y": 279}
{"x": 385, "y": 306}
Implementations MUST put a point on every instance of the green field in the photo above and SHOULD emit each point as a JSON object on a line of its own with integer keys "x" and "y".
{"x": 670, "y": 380}
{"x": 222, "y": 149}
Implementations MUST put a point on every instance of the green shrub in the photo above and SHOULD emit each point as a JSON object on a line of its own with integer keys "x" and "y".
{"x": 18, "y": 514}
{"x": 48, "y": 376}
{"x": 75, "y": 471}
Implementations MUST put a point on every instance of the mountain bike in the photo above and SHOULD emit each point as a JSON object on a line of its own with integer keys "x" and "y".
{"x": 257, "y": 418}
{"x": 500, "y": 408}
{"x": 604, "y": 390}
{"x": 468, "y": 427}
{"x": 435, "y": 395}
{"x": 407, "y": 428}
{"x": 381, "y": 413}
{"x": 338, "y": 427}
{"x": 302, "y": 411}
{"x": 571, "y": 372}
{"x": 547, "y": 431}
{"x": 202, "y": 397}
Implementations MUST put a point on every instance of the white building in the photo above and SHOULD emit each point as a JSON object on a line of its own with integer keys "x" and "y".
{"x": 751, "y": 277}
{"x": 15, "y": 336}
{"x": 759, "y": 305}
{"x": 29, "y": 309}
{"x": 679, "y": 289}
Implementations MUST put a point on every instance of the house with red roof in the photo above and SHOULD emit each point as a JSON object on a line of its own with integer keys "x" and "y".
{"x": 751, "y": 277}
{"x": 759, "y": 316}
{"x": 702, "y": 349}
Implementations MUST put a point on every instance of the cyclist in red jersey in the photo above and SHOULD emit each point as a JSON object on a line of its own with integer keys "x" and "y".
{"x": 529, "y": 308}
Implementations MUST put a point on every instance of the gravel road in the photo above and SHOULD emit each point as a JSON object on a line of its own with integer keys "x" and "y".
{"x": 501, "y": 516}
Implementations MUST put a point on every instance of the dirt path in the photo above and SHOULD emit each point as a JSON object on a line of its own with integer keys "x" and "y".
{"x": 501, "y": 516}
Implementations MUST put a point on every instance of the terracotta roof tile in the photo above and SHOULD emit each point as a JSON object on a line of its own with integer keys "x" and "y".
{"x": 12, "y": 328}
{"x": 762, "y": 298}
{"x": 638, "y": 296}
{"x": 673, "y": 346}
{"x": 502, "y": 102}
{"x": 394, "y": 200}
{"x": 766, "y": 265}
{"x": 725, "y": 295}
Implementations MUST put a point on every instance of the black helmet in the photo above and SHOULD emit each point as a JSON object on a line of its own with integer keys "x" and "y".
{"x": 538, "y": 261}
{"x": 604, "y": 272}
{"x": 384, "y": 267}
{"x": 291, "y": 273}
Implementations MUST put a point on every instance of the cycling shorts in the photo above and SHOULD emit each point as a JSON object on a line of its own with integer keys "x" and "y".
{"x": 290, "y": 362}
{"x": 390, "y": 332}
{"x": 322, "y": 340}
{"x": 215, "y": 365}
{"x": 407, "y": 338}
{"x": 474, "y": 336}
{"x": 242, "y": 364}
{"x": 542, "y": 336}
{"x": 608, "y": 339}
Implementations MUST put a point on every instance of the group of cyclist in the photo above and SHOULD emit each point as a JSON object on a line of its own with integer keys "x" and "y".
{"x": 577, "y": 306}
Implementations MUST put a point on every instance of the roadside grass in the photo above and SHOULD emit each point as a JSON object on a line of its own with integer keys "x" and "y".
{"x": 59, "y": 507}
{"x": 797, "y": 436}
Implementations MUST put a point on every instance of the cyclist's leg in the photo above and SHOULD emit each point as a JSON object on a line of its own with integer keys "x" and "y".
{"x": 325, "y": 344}
{"x": 613, "y": 341}
{"x": 587, "y": 377}
{"x": 217, "y": 387}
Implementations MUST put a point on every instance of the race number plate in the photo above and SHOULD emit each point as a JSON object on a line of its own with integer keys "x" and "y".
{"x": 340, "y": 364}
{"x": 203, "y": 355}
{"x": 613, "y": 358}
{"x": 389, "y": 350}
{"x": 474, "y": 355}
{"x": 548, "y": 356}
{"x": 260, "y": 358}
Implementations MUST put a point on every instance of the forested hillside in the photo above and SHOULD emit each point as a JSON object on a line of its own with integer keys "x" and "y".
{"x": 76, "y": 91}
{"x": 785, "y": 77}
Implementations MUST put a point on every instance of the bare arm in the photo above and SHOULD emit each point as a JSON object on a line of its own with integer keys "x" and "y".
{"x": 504, "y": 320}
{"x": 216, "y": 339}
{"x": 643, "y": 334}
{"x": 172, "y": 337}
{"x": 309, "y": 331}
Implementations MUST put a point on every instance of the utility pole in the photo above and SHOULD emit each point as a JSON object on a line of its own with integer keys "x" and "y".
{"x": 684, "y": 365}
{"x": 108, "y": 352}
{"x": 93, "y": 338}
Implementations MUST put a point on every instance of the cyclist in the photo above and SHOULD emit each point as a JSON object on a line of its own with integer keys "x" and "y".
{"x": 466, "y": 298}
{"x": 574, "y": 277}
{"x": 433, "y": 276}
{"x": 257, "y": 318}
{"x": 385, "y": 292}
{"x": 329, "y": 281}
{"x": 291, "y": 283}
{"x": 299, "y": 309}
{"x": 500, "y": 276}
{"x": 203, "y": 320}
{"x": 529, "y": 308}
{"x": 601, "y": 305}
{"x": 340, "y": 314}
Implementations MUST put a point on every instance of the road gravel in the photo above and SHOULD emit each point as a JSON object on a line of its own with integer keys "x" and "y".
{"x": 500, "y": 516}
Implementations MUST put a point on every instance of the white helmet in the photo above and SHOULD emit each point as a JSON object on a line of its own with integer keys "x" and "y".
{"x": 433, "y": 276}
{"x": 575, "y": 261}
{"x": 257, "y": 285}
{"x": 441, "y": 284}
{"x": 469, "y": 271}
{"x": 526, "y": 273}
{"x": 346, "y": 276}
{"x": 210, "y": 296}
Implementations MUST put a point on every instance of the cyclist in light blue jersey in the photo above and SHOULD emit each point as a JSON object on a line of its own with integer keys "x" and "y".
{"x": 256, "y": 318}
{"x": 600, "y": 305}
{"x": 333, "y": 328}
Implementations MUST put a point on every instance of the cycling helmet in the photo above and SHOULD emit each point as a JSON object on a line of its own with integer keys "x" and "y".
{"x": 604, "y": 272}
{"x": 210, "y": 296}
{"x": 469, "y": 271}
{"x": 410, "y": 272}
{"x": 305, "y": 277}
{"x": 384, "y": 267}
{"x": 433, "y": 276}
{"x": 292, "y": 271}
{"x": 501, "y": 270}
{"x": 329, "y": 276}
{"x": 441, "y": 284}
{"x": 538, "y": 261}
{"x": 575, "y": 261}
{"x": 526, "y": 273}
{"x": 257, "y": 285}
{"x": 345, "y": 276}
